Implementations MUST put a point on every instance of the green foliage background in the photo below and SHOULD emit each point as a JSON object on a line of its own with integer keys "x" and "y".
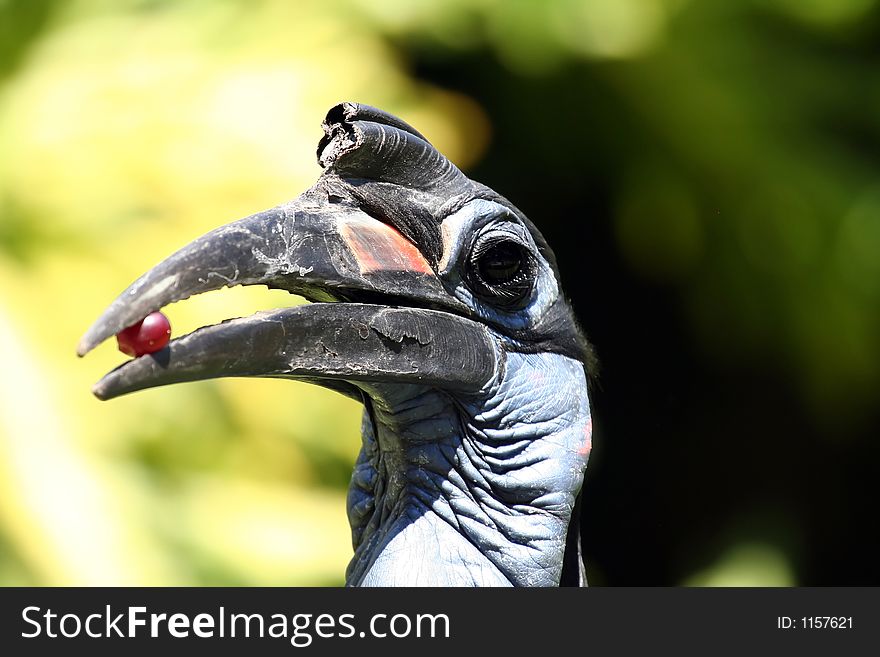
{"x": 129, "y": 127}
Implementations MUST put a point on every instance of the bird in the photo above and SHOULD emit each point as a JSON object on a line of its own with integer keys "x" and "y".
{"x": 437, "y": 304}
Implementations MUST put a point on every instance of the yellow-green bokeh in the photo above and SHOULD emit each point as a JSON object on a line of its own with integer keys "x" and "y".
{"x": 126, "y": 133}
{"x": 740, "y": 176}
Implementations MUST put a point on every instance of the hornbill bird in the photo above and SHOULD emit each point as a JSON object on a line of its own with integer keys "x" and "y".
{"x": 437, "y": 304}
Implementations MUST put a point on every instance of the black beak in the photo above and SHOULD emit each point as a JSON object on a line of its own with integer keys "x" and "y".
{"x": 397, "y": 322}
{"x": 325, "y": 249}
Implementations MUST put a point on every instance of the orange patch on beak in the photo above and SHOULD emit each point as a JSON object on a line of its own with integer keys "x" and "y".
{"x": 380, "y": 247}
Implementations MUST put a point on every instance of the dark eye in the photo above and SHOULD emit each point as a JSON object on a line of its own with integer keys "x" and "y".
{"x": 502, "y": 270}
{"x": 501, "y": 262}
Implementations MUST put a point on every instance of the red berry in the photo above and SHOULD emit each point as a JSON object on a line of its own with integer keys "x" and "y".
{"x": 147, "y": 336}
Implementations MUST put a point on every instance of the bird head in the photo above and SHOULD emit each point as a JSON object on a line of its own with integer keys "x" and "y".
{"x": 436, "y": 303}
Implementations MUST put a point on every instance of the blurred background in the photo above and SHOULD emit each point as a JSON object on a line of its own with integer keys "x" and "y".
{"x": 706, "y": 171}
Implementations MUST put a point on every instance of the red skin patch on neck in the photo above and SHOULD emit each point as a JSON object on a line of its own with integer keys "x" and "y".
{"x": 588, "y": 439}
{"x": 380, "y": 247}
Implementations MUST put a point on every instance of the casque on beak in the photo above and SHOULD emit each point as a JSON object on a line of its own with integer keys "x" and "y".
{"x": 395, "y": 319}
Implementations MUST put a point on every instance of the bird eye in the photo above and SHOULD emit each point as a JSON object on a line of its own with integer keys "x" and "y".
{"x": 502, "y": 270}
{"x": 501, "y": 262}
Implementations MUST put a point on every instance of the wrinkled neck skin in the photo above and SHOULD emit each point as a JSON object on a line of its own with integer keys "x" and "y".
{"x": 471, "y": 490}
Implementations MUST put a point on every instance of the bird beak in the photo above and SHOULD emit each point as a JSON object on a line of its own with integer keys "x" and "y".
{"x": 393, "y": 320}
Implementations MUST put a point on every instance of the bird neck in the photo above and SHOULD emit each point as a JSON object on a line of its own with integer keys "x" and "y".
{"x": 470, "y": 490}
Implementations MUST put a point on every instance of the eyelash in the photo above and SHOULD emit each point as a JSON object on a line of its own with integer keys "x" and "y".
{"x": 503, "y": 292}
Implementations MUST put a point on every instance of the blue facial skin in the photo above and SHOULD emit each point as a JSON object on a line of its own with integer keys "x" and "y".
{"x": 455, "y": 489}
